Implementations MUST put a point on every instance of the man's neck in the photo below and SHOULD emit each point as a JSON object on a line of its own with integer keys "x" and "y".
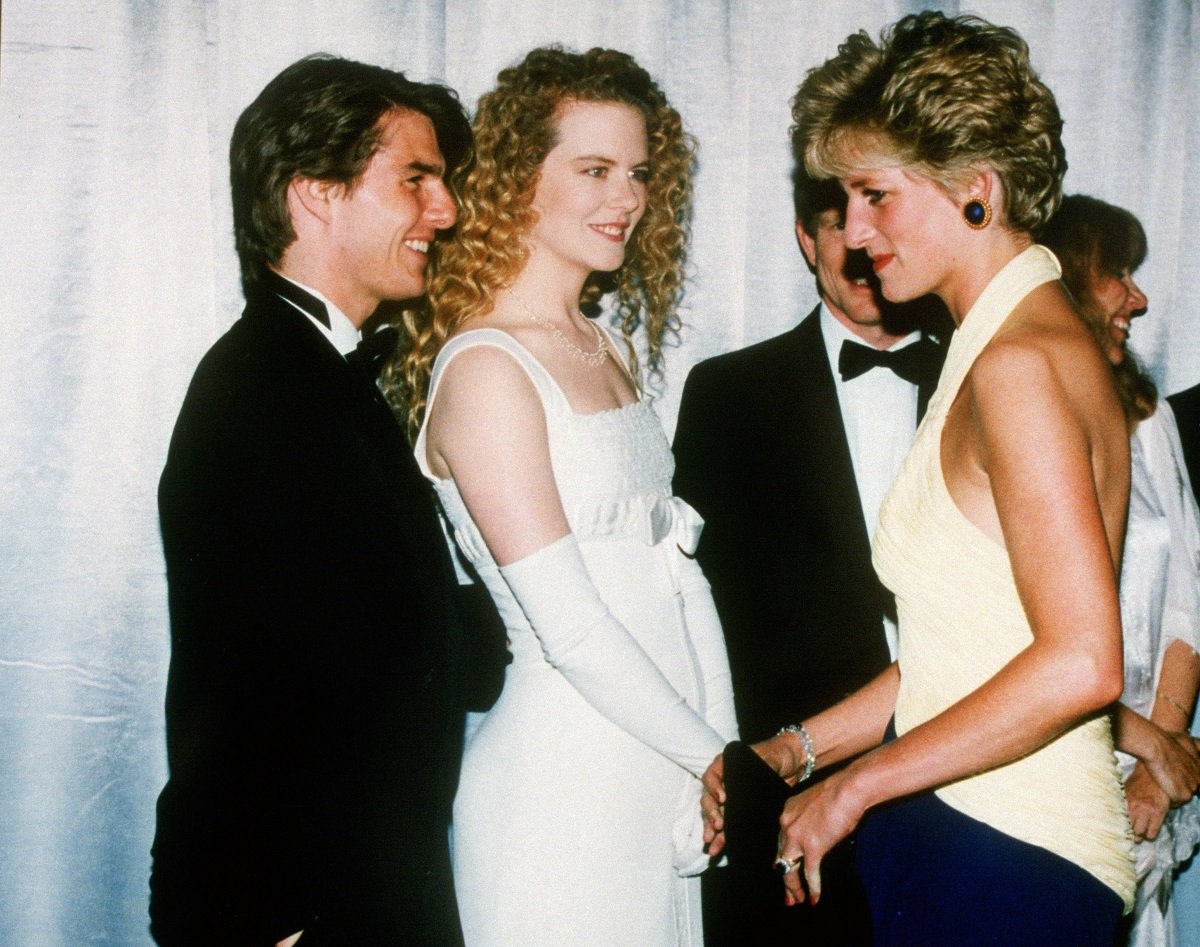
{"x": 873, "y": 334}
{"x": 309, "y": 273}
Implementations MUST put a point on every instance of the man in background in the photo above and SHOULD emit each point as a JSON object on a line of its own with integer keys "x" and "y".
{"x": 786, "y": 448}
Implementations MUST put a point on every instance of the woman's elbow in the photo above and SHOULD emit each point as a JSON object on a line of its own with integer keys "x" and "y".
{"x": 1095, "y": 680}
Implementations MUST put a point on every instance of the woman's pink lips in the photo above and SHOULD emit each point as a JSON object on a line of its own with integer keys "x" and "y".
{"x": 879, "y": 262}
{"x": 615, "y": 238}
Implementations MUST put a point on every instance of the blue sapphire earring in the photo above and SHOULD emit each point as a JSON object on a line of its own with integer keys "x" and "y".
{"x": 977, "y": 212}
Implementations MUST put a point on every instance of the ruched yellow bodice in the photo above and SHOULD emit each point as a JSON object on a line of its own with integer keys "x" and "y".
{"x": 961, "y": 621}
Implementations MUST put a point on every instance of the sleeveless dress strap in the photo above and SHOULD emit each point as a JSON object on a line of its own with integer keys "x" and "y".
{"x": 554, "y": 402}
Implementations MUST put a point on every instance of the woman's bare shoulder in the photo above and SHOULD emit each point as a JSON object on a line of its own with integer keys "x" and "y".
{"x": 1045, "y": 362}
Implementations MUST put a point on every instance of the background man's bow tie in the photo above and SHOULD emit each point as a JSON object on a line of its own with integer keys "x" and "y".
{"x": 910, "y": 363}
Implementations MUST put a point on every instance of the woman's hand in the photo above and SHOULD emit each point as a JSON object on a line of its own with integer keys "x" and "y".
{"x": 1175, "y": 766}
{"x": 1148, "y": 803}
{"x": 712, "y": 806}
{"x": 811, "y": 824}
{"x": 783, "y": 753}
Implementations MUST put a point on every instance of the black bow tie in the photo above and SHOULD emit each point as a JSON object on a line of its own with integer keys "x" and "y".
{"x": 373, "y": 351}
{"x": 910, "y": 363}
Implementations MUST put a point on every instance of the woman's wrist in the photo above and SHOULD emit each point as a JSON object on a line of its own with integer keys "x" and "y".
{"x": 804, "y": 755}
{"x": 1154, "y": 749}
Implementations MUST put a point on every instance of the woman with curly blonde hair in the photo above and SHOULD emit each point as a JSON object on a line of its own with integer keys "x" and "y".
{"x": 980, "y": 773}
{"x": 577, "y": 816}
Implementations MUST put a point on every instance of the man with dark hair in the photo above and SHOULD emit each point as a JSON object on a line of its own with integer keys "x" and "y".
{"x": 313, "y": 702}
{"x": 786, "y": 449}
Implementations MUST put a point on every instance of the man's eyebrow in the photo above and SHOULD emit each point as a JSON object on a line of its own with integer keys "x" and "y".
{"x": 434, "y": 169}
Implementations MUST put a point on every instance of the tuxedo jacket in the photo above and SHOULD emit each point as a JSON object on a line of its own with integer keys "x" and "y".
{"x": 761, "y": 453}
{"x": 312, "y": 700}
{"x": 1186, "y": 406}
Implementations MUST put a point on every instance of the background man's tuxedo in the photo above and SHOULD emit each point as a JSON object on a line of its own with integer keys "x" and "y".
{"x": 1186, "y": 407}
{"x": 761, "y": 453}
{"x": 314, "y": 695}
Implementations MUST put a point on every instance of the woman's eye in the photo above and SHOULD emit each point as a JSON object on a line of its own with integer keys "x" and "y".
{"x": 640, "y": 174}
{"x": 873, "y": 196}
{"x": 598, "y": 172}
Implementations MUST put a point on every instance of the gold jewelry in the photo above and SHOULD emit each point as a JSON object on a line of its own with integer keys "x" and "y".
{"x": 977, "y": 212}
{"x": 590, "y": 359}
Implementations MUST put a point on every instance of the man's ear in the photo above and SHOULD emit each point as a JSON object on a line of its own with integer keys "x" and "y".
{"x": 808, "y": 245}
{"x": 311, "y": 197}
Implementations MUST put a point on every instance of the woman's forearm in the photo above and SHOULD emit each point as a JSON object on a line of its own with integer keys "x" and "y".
{"x": 1175, "y": 697}
{"x": 848, "y": 728}
{"x": 1043, "y": 692}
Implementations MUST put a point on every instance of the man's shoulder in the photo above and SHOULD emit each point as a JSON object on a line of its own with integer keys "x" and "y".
{"x": 1186, "y": 404}
{"x": 756, "y": 357}
{"x": 265, "y": 346}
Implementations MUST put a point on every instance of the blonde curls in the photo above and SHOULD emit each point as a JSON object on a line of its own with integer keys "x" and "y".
{"x": 942, "y": 97}
{"x": 515, "y": 129}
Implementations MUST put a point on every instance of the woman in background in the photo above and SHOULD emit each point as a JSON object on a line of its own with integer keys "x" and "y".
{"x": 985, "y": 781}
{"x": 1100, "y": 247}
{"x": 576, "y": 819}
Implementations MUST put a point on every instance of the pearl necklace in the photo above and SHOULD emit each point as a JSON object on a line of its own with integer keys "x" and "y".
{"x": 590, "y": 359}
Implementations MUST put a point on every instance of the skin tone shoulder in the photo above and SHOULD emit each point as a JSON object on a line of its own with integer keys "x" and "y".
{"x": 487, "y": 429}
{"x": 1035, "y": 454}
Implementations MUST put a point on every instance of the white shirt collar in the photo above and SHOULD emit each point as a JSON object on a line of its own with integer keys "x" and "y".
{"x": 340, "y": 332}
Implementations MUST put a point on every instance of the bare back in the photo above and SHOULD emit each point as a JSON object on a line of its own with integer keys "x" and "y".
{"x": 1037, "y": 427}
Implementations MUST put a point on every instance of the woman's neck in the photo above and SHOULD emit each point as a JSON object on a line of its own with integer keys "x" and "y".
{"x": 987, "y": 258}
{"x": 551, "y": 291}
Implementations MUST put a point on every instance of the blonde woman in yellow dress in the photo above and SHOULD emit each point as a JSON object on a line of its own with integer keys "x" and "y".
{"x": 983, "y": 783}
{"x": 577, "y": 817}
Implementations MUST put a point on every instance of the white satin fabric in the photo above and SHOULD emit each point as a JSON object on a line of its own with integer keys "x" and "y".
{"x": 1160, "y": 603}
{"x": 577, "y": 816}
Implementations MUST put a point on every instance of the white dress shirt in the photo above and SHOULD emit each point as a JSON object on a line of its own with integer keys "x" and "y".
{"x": 879, "y": 415}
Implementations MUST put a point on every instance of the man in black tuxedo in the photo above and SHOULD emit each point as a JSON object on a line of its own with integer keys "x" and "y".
{"x": 1186, "y": 406}
{"x": 786, "y": 449}
{"x": 312, "y": 707}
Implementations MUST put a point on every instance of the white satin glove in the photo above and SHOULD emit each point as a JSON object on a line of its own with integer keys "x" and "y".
{"x": 601, "y": 660}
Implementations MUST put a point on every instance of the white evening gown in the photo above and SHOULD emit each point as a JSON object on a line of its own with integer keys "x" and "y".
{"x": 1160, "y": 602}
{"x": 568, "y": 828}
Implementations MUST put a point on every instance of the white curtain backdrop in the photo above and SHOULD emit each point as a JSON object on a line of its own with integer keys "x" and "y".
{"x": 117, "y": 272}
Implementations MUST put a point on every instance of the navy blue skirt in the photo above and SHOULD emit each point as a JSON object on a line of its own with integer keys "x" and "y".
{"x": 937, "y": 878}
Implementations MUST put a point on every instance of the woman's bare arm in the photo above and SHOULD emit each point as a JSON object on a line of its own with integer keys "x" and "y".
{"x": 1035, "y": 441}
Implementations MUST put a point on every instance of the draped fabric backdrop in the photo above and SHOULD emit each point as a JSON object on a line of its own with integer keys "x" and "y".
{"x": 118, "y": 271}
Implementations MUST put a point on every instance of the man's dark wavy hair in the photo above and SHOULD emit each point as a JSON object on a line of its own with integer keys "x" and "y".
{"x": 320, "y": 118}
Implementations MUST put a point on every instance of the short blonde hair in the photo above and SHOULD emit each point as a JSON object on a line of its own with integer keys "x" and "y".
{"x": 515, "y": 128}
{"x": 941, "y": 97}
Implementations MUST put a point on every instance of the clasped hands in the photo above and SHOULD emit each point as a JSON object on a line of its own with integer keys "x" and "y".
{"x": 1167, "y": 778}
{"x": 810, "y": 825}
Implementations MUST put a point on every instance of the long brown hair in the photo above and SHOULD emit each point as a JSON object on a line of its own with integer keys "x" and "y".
{"x": 1091, "y": 238}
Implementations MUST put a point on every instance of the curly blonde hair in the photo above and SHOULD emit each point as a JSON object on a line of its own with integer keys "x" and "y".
{"x": 942, "y": 97}
{"x": 515, "y": 128}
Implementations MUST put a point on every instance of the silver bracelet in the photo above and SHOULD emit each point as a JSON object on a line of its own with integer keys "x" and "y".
{"x": 810, "y": 755}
